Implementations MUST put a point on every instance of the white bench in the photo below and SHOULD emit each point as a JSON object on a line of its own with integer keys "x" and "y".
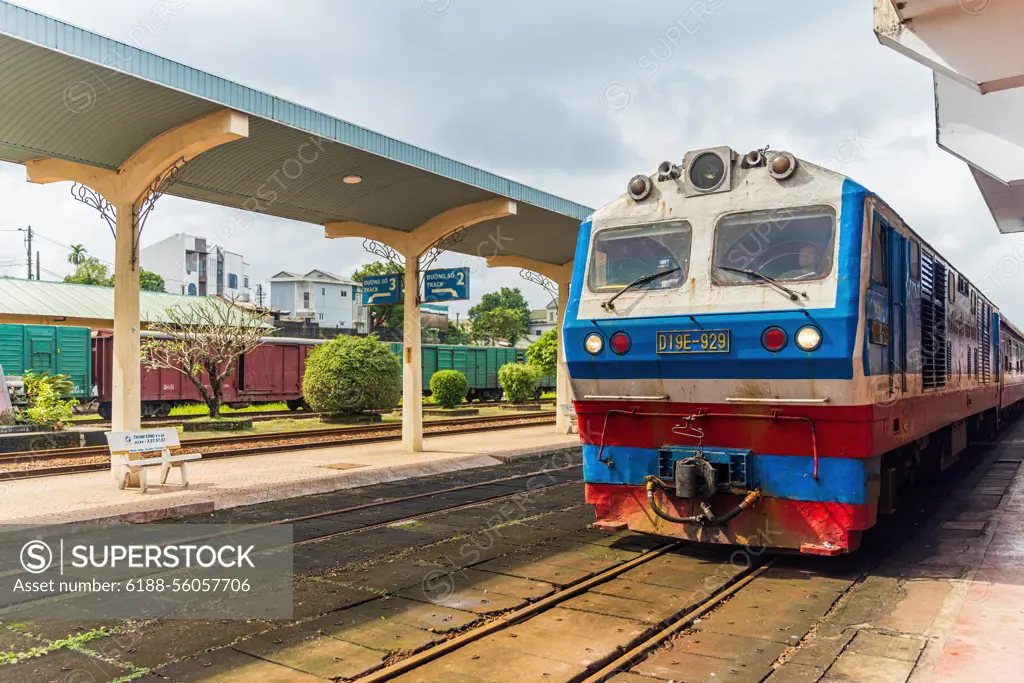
{"x": 127, "y": 449}
{"x": 569, "y": 415}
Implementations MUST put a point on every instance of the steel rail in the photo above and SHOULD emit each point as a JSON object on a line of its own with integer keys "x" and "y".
{"x": 506, "y": 620}
{"x": 514, "y": 422}
{"x": 636, "y": 653}
{"x": 84, "y": 451}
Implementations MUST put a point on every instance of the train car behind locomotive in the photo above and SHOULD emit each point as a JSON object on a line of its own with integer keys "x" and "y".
{"x": 762, "y": 352}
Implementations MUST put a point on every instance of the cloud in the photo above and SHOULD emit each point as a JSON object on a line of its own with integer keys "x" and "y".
{"x": 533, "y": 90}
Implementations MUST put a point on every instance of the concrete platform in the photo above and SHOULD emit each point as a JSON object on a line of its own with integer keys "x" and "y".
{"x": 946, "y": 607}
{"x": 229, "y": 482}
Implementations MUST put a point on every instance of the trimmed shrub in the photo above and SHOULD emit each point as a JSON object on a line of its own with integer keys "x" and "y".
{"x": 449, "y": 388}
{"x": 518, "y": 381}
{"x": 352, "y": 374}
{"x": 48, "y": 407}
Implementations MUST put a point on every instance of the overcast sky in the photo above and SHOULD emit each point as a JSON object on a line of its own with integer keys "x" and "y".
{"x": 571, "y": 97}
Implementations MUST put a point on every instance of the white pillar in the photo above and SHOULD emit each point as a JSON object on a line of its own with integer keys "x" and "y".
{"x": 563, "y": 394}
{"x": 412, "y": 372}
{"x": 127, "y": 398}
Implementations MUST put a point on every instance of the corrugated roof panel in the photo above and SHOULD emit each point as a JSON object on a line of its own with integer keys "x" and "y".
{"x": 64, "y": 300}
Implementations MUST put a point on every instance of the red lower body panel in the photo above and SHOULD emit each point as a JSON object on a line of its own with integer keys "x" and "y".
{"x": 816, "y": 527}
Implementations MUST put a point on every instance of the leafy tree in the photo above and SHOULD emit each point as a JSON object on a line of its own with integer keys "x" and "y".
{"x": 511, "y": 324}
{"x": 449, "y": 388}
{"x": 205, "y": 339}
{"x": 151, "y": 282}
{"x": 519, "y": 381}
{"x": 454, "y": 335}
{"x": 91, "y": 272}
{"x": 351, "y": 374}
{"x": 543, "y": 353}
{"x": 498, "y": 323}
{"x": 382, "y": 316}
{"x": 78, "y": 255}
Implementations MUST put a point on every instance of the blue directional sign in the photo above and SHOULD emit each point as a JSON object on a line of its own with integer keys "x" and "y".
{"x": 446, "y": 284}
{"x": 382, "y": 290}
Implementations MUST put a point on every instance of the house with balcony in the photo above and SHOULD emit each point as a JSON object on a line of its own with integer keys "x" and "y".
{"x": 193, "y": 266}
{"x": 327, "y": 299}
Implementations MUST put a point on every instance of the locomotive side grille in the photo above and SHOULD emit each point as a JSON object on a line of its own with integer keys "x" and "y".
{"x": 986, "y": 342}
{"x": 935, "y": 348}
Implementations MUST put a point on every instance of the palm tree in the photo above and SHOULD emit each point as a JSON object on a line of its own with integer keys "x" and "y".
{"x": 78, "y": 255}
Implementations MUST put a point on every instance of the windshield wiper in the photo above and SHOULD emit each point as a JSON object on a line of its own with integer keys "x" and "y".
{"x": 774, "y": 283}
{"x": 610, "y": 304}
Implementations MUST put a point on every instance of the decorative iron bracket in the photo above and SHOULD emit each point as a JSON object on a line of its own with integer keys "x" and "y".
{"x": 536, "y": 278}
{"x": 140, "y": 210}
{"x": 92, "y": 198}
{"x": 442, "y": 245}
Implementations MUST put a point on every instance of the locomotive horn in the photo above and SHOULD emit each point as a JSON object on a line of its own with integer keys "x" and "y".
{"x": 668, "y": 170}
{"x": 753, "y": 159}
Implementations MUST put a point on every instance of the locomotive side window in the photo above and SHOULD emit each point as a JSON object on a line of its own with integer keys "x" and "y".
{"x": 623, "y": 255}
{"x": 915, "y": 261}
{"x": 879, "y": 262}
{"x": 786, "y": 244}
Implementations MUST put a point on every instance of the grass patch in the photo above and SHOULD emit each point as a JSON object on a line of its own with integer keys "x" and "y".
{"x": 199, "y": 409}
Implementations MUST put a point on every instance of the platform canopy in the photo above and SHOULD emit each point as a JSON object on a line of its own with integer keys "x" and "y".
{"x": 973, "y": 48}
{"x": 67, "y": 93}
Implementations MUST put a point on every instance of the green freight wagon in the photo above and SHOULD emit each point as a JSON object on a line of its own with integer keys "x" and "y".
{"x": 48, "y": 348}
{"x": 478, "y": 363}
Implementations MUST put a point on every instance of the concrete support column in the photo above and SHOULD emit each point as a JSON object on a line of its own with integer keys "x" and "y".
{"x": 563, "y": 392}
{"x": 127, "y": 358}
{"x": 133, "y": 182}
{"x": 412, "y": 355}
{"x": 411, "y": 245}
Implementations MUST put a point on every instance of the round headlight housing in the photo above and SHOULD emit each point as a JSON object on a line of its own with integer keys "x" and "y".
{"x": 639, "y": 187}
{"x": 774, "y": 339}
{"x": 620, "y": 343}
{"x": 808, "y": 338}
{"x": 594, "y": 343}
{"x": 707, "y": 171}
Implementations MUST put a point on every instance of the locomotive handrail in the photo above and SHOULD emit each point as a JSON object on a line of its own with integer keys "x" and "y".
{"x": 740, "y": 399}
{"x": 602, "y": 397}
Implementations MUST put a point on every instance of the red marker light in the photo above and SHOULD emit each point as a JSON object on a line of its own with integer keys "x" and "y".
{"x": 774, "y": 339}
{"x": 620, "y": 343}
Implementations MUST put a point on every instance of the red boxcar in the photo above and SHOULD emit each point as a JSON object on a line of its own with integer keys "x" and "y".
{"x": 271, "y": 372}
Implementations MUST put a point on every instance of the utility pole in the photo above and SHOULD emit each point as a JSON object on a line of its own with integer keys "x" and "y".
{"x": 259, "y": 294}
{"x": 28, "y": 250}
{"x": 39, "y": 269}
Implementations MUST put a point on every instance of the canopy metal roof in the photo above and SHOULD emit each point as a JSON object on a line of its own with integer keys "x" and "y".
{"x": 68, "y": 93}
{"x": 64, "y": 303}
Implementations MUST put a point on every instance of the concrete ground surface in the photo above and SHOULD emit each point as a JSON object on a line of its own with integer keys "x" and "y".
{"x": 227, "y": 482}
{"x": 934, "y": 594}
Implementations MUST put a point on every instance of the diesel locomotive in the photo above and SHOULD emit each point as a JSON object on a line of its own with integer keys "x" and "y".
{"x": 762, "y": 352}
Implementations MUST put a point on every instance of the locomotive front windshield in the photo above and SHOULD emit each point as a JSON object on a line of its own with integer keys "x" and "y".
{"x": 623, "y": 255}
{"x": 782, "y": 244}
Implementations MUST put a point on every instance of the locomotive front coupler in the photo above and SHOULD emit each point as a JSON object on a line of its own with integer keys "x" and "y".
{"x": 707, "y": 516}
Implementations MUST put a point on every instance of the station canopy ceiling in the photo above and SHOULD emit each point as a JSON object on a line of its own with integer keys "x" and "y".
{"x": 72, "y": 94}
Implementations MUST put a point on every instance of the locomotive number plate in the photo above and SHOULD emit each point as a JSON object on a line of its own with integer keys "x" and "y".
{"x": 695, "y": 341}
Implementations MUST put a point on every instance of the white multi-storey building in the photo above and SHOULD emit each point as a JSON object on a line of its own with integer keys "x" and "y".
{"x": 321, "y": 297}
{"x": 543, "y": 320}
{"x": 192, "y": 266}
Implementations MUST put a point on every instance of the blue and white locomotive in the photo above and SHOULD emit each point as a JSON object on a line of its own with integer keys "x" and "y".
{"x": 762, "y": 352}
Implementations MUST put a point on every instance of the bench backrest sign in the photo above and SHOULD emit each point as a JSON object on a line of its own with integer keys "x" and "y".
{"x": 143, "y": 442}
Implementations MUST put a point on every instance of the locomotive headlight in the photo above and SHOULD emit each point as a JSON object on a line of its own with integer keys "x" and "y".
{"x": 593, "y": 343}
{"x": 808, "y": 338}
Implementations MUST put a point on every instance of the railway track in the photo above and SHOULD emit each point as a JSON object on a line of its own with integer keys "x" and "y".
{"x": 63, "y": 460}
{"x": 639, "y": 647}
{"x": 156, "y": 422}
